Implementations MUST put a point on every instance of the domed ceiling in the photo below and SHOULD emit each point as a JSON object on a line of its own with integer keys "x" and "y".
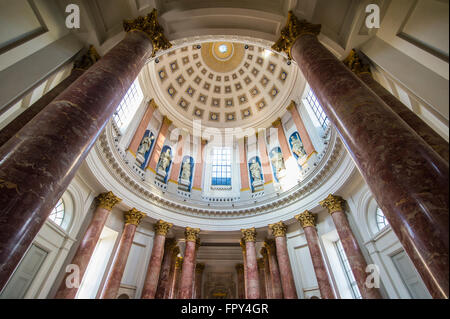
{"x": 223, "y": 84}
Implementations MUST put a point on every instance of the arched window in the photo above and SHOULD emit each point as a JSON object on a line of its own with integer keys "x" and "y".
{"x": 58, "y": 213}
{"x": 129, "y": 105}
{"x": 381, "y": 219}
{"x": 317, "y": 109}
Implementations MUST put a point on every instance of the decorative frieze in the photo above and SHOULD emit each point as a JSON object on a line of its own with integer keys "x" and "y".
{"x": 306, "y": 219}
{"x": 333, "y": 203}
{"x": 134, "y": 217}
{"x": 107, "y": 200}
{"x": 162, "y": 228}
{"x": 249, "y": 234}
{"x": 278, "y": 229}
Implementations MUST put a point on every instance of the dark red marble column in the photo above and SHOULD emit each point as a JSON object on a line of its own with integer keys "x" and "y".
{"x": 284, "y": 264}
{"x": 175, "y": 283}
{"x": 111, "y": 288}
{"x": 199, "y": 268}
{"x": 407, "y": 177}
{"x": 240, "y": 281}
{"x": 275, "y": 278}
{"x": 244, "y": 258}
{"x": 249, "y": 237}
{"x": 80, "y": 65}
{"x": 106, "y": 202}
{"x": 267, "y": 278}
{"x": 335, "y": 206}
{"x": 171, "y": 252}
{"x": 154, "y": 265}
{"x": 262, "y": 278}
{"x": 38, "y": 163}
{"x": 354, "y": 62}
{"x": 308, "y": 223}
{"x": 187, "y": 274}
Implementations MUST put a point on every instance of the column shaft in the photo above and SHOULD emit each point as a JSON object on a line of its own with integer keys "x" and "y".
{"x": 243, "y": 164}
{"x": 277, "y": 291}
{"x": 240, "y": 281}
{"x": 154, "y": 157}
{"x": 188, "y": 271}
{"x": 175, "y": 172}
{"x": 265, "y": 162}
{"x": 198, "y": 170}
{"x": 262, "y": 279}
{"x": 287, "y": 278}
{"x": 168, "y": 265}
{"x": 268, "y": 280}
{"x": 253, "y": 290}
{"x": 198, "y": 281}
{"x": 307, "y": 143}
{"x": 140, "y": 131}
{"x": 282, "y": 140}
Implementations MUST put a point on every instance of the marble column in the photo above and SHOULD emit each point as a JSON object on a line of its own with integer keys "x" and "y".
{"x": 265, "y": 162}
{"x": 362, "y": 70}
{"x": 358, "y": 264}
{"x": 79, "y": 67}
{"x": 388, "y": 152}
{"x": 163, "y": 132}
{"x": 282, "y": 140}
{"x": 308, "y": 224}
{"x": 187, "y": 274}
{"x": 177, "y": 158}
{"x": 267, "y": 280}
{"x": 262, "y": 278}
{"x": 198, "y": 168}
{"x": 199, "y": 268}
{"x": 275, "y": 278}
{"x": 244, "y": 258}
{"x": 249, "y": 237}
{"x": 140, "y": 131}
{"x": 175, "y": 284}
{"x": 154, "y": 266}
{"x": 133, "y": 218}
{"x": 287, "y": 278}
{"x": 306, "y": 140}
{"x": 38, "y": 163}
{"x": 245, "y": 184}
{"x": 170, "y": 254}
{"x": 240, "y": 281}
{"x": 105, "y": 203}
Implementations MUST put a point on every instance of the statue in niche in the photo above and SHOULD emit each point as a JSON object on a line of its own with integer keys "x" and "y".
{"x": 145, "y": 145}
{"x": 297, "y": 146}
{"x": 165, "y": 160}
{"x": 255, "y": 170}
{"x": 278, "y": 162}
{"x": 186, "y": 172}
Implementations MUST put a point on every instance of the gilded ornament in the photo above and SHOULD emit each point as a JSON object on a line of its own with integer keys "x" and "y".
{"x": 167, "y": 121}
{"x": 306, "y": 219}
{"x": 179, "y": 263}
{"x": 191, "y": 234}
{"x": 263, "y": 252}
{"x": 278, "y": 229}
{"x": 149, "y": 24}
{"x": 87, "y": 60}
{"x": 354, "y": 63}
{"x": 294, "y": 28}
{"x": 161, "y": 227}
{"x": 277, "y": 122}
{"x": 134, "y": 217}
{"x": 199, "y": 268}
{"x": 249, "y": 234}
{"x": 269, "y": 244}
{"x": 333, "y": 203}
{"x": 107, "y": 200}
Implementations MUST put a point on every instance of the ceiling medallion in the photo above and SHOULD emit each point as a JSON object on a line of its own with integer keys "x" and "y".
{"x": 222, "y": 56}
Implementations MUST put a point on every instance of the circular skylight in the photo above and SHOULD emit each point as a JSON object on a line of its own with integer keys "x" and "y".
{"x": 223, "y": 48}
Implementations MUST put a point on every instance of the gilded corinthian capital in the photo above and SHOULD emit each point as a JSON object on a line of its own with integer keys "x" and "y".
{"x": 191, "y": 234}
{"x": 134, "y": 217}
{"x": 162, "y": 228}
{"x": 306, "y": 219}
{"x": 149, "y": 24}
{"x": 107, "y": 200}
{"x": 354, "y": 63}
{"x": 87, "y": 60}
{"x": 333, "y": 203}
{"x": 294, "y": 28}
{"x": 278, "y": 229}
{"x": 248, "y": 234}
{"x": 179, "y": 263}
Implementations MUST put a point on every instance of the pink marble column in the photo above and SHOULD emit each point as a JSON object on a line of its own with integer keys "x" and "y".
{"x": 244, "y": 258}
{"x": 282, "y": 140}
{"x": 245, "y": 184}
{"x": 409, "y": 180}
{"x": 163, "y": 131}
{"x": 249, "y": 237}
{"x": 106, "y": 202}
{"x": 199, "y": 268}
{"x": 335, "y": 206}
{"x": 262, "y": 278}
{"x": 133, "y": 218}
{"x": 308, "y": 223}
{"x": 284, "y": 264}
{"x": 32, "y": 177}
{"x": 177, "y": 158}
{"x": 240, "y": 281}
{"x": 354, "y": 63}
{"x": 265, "y": 162}
{"x": 277, "y": 291}
{"x": 140, "y": 131}
{"x": 198, "y": 168}
{"x": 171, "y": 252}
{"x": 267, "y": 277}
{"x": 187, "y": 274}
{"x": 175, "y": 282}
{"x": 154, "y": 266}
{"x": 306, "y": 140}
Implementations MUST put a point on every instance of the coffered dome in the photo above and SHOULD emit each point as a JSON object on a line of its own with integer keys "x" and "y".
{"x": 224, "y": 84}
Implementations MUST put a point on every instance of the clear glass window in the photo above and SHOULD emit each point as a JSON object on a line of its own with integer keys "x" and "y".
{"x": 58, "y": 213}
{"x": 381, "y": 219}
{"x": 317, "y": 109}
{"x": 221, "y": 167}
{"x": 347, "y": 270}
{"x": 129, "y": 105}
